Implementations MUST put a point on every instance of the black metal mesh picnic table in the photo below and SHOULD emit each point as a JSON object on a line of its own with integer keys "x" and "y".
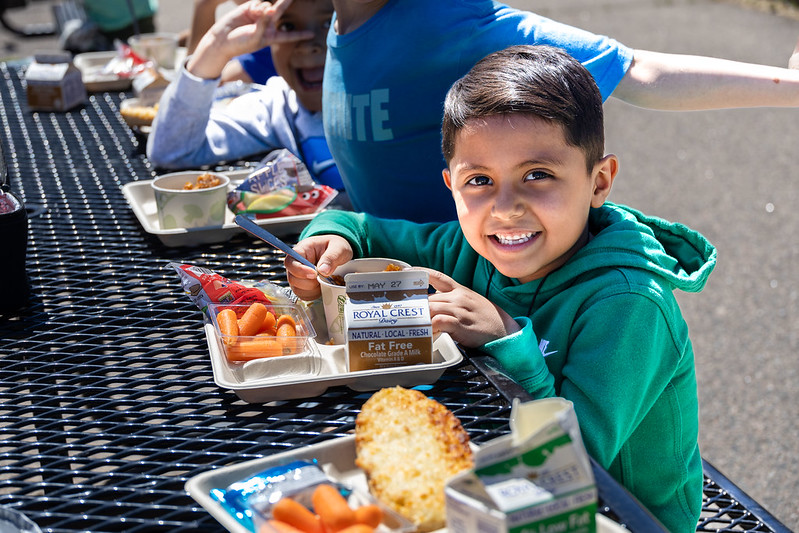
{"x": 107, "y": 399}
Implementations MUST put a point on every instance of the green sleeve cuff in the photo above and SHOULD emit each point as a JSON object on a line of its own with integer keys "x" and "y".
{"x": 518, "y": 353}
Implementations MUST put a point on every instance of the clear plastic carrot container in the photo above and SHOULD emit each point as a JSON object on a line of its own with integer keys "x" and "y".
{"x": 264, "y": 340}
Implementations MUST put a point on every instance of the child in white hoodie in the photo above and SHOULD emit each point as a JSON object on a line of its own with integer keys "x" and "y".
{"x": 190, "y": 132}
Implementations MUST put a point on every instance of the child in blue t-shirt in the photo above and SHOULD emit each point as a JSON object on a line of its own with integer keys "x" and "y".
{"x": 383, "y": 90}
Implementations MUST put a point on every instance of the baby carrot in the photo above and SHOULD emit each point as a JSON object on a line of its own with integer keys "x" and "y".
{"x": 285, "y": 319}
{"x": 297, "y": 515}
{"x": 287, "y": 334}
{"x": 228, "y": 325}
{"x": 370, "y": 515}
{"x": 286, "y": 330}
{"x": 269, "y": 325}
{"x": 254, "y": 349}
{"x": 332, "y": 508}
{"x": 251, "y": 320}
{"x": 280, "y": 527}
{"x": 357, "y": 528}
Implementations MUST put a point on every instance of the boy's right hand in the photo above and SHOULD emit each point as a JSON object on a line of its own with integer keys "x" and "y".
{"x": 327, "y": 252}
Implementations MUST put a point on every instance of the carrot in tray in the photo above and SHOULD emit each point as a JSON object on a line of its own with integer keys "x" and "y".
{"x": 332, "y": 508}
{"x": 228, "y": 325}
{"x": 254, "y": 349}
{"x": 286, "y": 329}
{"x": 286, "y": 321}
{"x": 252, "y": 319}
{"x": 280, "y": 527}
{"x": 297, "y": 515}
{"x": 287, "y": 334}
{"x": 269, "y": 326}
{"x": 357, "y": 528}
{"x": 369, "y": 514}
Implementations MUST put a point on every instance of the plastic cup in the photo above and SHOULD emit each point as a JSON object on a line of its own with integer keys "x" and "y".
{"x": 194, "y": 208}
{"x": 335, "y": 296}
{"x": 161, "y": 48}
{"x": 13, "y": 521}
{"x": 14, "y": 242}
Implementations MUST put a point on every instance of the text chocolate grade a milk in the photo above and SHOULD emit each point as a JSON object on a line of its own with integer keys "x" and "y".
{"x": 387, "y": 317}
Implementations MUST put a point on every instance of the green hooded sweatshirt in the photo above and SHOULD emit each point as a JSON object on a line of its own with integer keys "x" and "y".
{"x": 604, "y": 331}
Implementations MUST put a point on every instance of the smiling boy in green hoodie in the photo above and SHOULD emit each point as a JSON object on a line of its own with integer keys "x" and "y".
{"x": 573, "y": 295}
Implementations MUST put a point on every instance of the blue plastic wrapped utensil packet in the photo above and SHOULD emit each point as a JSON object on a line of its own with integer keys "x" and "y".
{"x": 249, "y": 501}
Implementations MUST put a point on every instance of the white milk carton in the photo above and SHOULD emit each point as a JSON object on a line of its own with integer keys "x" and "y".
{"x": 536, "y": 479}
{"x": 54, "y": 83}
{"x": 387, "y": 318}
{"x": 149, "y": 85}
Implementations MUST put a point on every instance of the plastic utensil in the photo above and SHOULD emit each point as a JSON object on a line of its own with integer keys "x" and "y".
{"x": 251, "y": 227}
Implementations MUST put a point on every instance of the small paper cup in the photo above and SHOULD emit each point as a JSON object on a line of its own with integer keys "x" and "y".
{"x": 334, "y": 296}
{"x": 195, "y": 208}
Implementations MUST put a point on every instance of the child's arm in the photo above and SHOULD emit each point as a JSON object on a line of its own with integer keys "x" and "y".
{"x": 250, "y": 27}
{"x": 682, "y": 83}
{"x": 187, "y": 132}
{"x": 622, "y": 352}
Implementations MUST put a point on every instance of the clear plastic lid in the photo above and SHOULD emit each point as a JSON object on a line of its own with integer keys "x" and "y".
{"x": 13, "y": 521}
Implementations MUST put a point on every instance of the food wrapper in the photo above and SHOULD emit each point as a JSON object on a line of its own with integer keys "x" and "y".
{"x": 281, "y": 186}
{"x": 206, "y": 287}
{"x": 126, "y": 63}
{"x": 250, "y": 499}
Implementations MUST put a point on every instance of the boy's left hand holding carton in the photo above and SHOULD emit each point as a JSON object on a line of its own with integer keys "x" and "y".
{"x": 468, "y": 317}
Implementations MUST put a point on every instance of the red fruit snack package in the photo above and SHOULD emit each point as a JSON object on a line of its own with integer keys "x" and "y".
{"x": 206, "y": 286}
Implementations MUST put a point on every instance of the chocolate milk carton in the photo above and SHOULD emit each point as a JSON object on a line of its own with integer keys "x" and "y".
{"x": 54, "y": 83}
{"x": 387, "y": 316}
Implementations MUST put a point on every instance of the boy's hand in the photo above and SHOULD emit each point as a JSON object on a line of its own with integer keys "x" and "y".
{"x": 470, "y": 319}
{"x": 250, "y": 27}
{"x": 325, "y": 251}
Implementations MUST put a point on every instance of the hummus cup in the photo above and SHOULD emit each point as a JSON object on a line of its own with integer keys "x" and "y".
{"x": 334, "y": 296}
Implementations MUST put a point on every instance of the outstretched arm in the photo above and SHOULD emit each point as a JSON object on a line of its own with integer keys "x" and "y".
{"x": 673, "y": 82}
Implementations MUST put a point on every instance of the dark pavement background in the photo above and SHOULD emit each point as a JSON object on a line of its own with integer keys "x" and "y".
{"x": 731, "y": 175}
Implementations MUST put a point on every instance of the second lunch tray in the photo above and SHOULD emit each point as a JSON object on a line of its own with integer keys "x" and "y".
{"x": 337, "y": 459}
{"x": 141, "y": 198}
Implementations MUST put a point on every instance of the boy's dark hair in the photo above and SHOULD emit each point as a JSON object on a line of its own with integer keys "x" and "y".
{"x": 542, "y": 81}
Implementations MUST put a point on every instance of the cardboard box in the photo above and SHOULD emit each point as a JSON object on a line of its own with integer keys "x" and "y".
{"x": 538, "y": 478}
{"x": 387, "y": 317}
{"x": 54, "y": 83}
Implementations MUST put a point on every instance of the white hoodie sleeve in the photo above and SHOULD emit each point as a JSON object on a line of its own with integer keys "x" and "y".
{"x": 189, "y": 131}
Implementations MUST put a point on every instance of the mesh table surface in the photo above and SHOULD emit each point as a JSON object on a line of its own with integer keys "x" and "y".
{"x": 107, "y": 399}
